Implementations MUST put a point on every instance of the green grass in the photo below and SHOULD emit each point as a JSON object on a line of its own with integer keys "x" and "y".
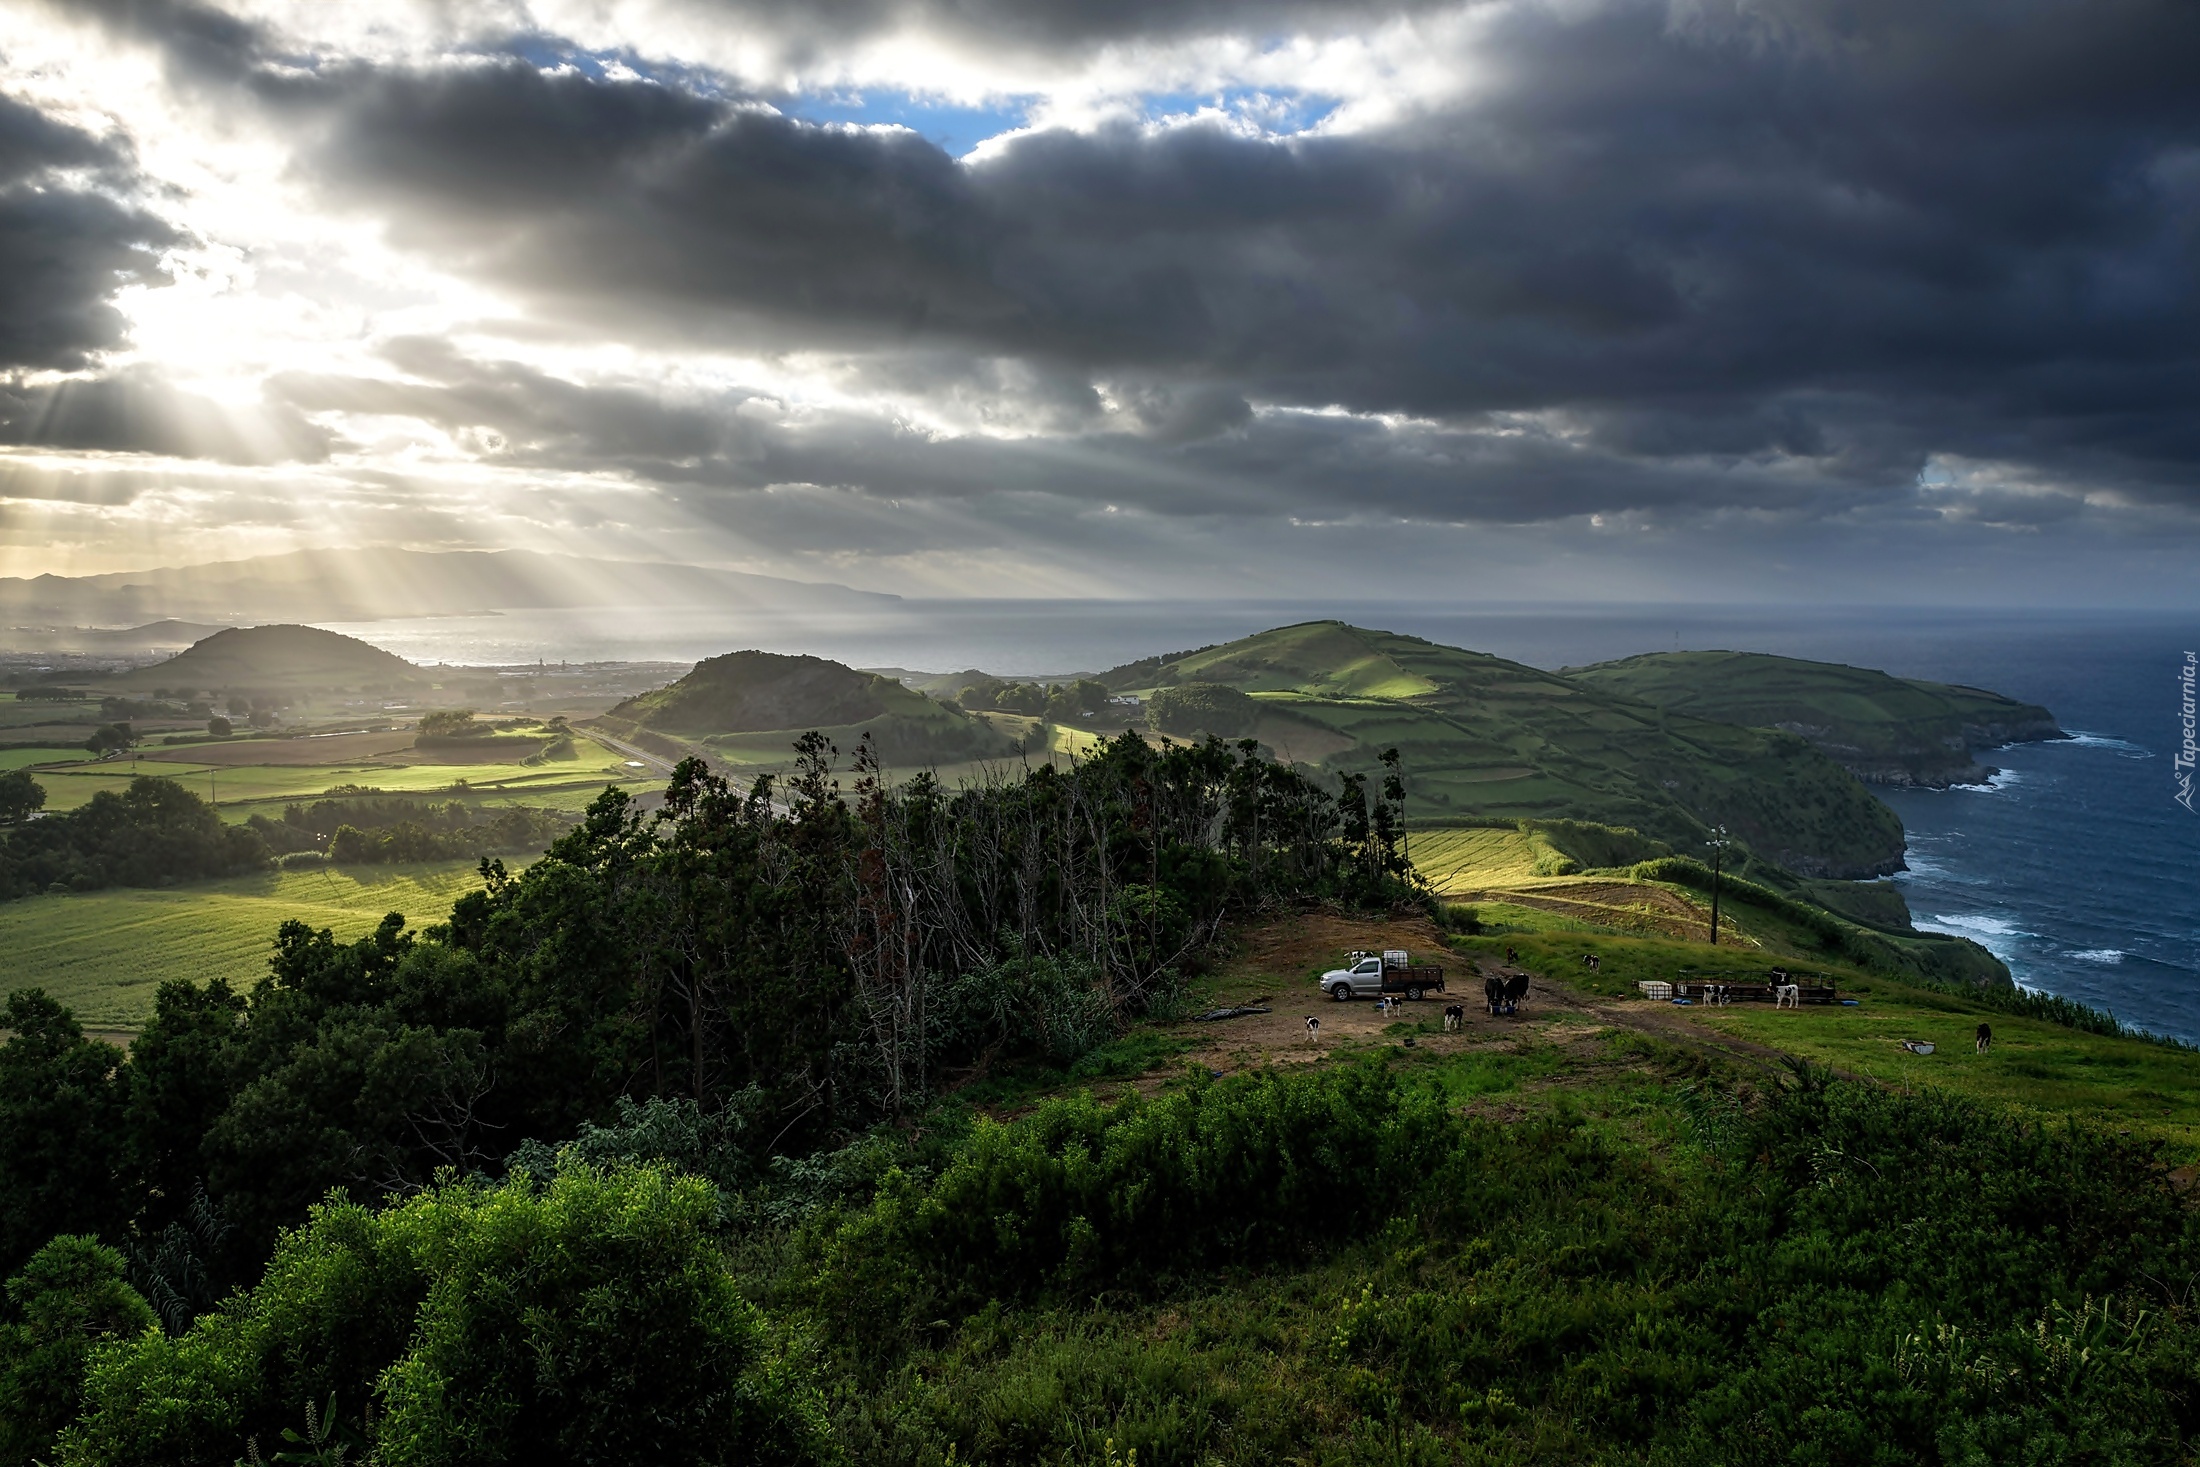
{"x": 252, "y": 788}
{"x": 1868, "y": 719}
{"x": 1485, "y": 738}
{"x": 2034, "y": 1067}
{"x": 1454, "y": 860}
{"x": 26, "y": 758}
{"x": 105, "y": 953}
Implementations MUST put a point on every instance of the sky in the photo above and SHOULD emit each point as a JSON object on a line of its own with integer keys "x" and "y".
{"x": 1815, "y": 301}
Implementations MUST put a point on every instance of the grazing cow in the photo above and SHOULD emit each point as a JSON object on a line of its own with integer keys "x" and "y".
{"x": 1788, "y": 996}
{"x": 1313, "y": 1027}
{"x": 1493, "y": 991}
{"x": 1985, "y": 1037}
{"x": 1591, "y": 961}
{"x": 1455, "y": 1018}
{"x": 1516, "y": 989}
{"x": 1511, "y": 957}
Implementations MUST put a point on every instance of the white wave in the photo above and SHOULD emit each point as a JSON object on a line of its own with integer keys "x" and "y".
{"x": 2102, "y": 741}
{"x": 1971, "y": 924}
{"x": 2100, "y": 955}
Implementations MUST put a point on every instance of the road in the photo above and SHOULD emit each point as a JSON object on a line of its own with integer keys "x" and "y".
{"x": 657, "y": 762}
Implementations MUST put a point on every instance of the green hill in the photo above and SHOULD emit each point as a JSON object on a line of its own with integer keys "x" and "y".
{"x": 755, "y": 703}
{"x": 1884, "y": 729}
{"x": 277, "y": 657}
{"x": 1483, "y": 738}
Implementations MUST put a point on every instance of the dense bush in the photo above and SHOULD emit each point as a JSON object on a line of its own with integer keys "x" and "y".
{"x": 374, "y": 830}
{"x": 151, "y": 833}
{"x": 1204, "y": 708}
{"x": 71, "y": 1296}
{"x": 594, "y": 1321}
{"x": 1838, "y": 1275}
{"x": 1080, "y": 1196}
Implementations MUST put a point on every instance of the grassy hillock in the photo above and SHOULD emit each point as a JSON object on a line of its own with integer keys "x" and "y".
{"x": 1884, "y": 729}
{"x": 1487, "y": 738}
{"x": 752, "y": 705}
{"x": 277, "y": 657}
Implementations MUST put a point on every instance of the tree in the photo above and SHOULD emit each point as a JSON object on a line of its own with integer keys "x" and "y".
{"x": 1209, "y": 708}
{"x": 72, "y": 1295}
{"x": 61, "y": 1135}
{"x": 110, "y": 738}
{"x": 178, "y": 1086}
{"x": 450, "y": 723}
{"x": 220, "y": 727}
{"x": 19, "y": 796}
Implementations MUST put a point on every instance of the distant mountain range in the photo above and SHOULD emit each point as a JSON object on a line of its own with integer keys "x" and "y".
{"x": 368, "y": 585}
{"x": 154, "y": 637}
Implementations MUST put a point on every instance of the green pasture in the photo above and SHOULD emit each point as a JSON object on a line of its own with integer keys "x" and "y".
{"x": 1454, "y": 860}
{"x": 2133, "y": 1083}
{"x": 105, "y": 953}
{"x": 26, "y": 758}
{"x": 242, "y": 789}
{"x": 2040, "y": 1069}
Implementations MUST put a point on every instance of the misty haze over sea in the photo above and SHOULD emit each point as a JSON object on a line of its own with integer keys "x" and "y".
{"x": 2075, "y": 868}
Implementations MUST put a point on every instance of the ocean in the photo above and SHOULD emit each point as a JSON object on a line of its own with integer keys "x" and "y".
{"x": 2076, "y": 867}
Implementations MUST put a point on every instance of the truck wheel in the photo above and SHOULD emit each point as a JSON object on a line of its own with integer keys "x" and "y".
{"x": 1414, "y": 994}
{"x": 1341, "y": 992}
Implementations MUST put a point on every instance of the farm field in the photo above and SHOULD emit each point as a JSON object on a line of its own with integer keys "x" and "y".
{"x": 249, "y": 776}
{"x": 105, "y": 953}
{"x": 1462, "y": 860}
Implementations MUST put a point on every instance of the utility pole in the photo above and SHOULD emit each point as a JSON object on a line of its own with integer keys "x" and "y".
{"x": 1719, "y": 842}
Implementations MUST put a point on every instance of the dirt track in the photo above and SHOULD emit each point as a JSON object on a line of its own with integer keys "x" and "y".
{"x": 1280, "y": 961}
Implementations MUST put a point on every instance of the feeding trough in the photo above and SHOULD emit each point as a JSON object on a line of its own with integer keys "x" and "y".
{"x": 1918, "y": 1046}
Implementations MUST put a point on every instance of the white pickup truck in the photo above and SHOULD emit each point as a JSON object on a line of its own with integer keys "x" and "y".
{"x": 1374, "y": 974}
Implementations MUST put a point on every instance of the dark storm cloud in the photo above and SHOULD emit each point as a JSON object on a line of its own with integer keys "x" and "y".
{"x": 135, "y": 412}
{"x": 66, "y": 243}
{"x": 1853, "y": 235}
{"x": 711, "y": 451}
{"x": 1766, "y": 256}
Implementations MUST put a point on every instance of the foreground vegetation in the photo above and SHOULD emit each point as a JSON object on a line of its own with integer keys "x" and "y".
{"x": 796, "y": 1125}
{"x": 1332, "y": 1266}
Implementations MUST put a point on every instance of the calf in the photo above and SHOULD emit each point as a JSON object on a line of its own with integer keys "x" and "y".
{"x": 1788, "y": 996}
{"x": 1985, "y": 1037}
{"x": 1455, "y": 1018}
{"x": 1313, "y": 1027}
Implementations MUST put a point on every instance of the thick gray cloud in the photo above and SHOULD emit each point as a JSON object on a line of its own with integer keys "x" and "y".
{"x": 1675, "y": 259}
{"x": 1854, "y": 233}
{"x": 66, "y": 242}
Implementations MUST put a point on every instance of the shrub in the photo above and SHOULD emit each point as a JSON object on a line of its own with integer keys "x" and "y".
{"x": 1079, "y": 1195}
{"x": 452, "y": 723}
{"x": 1209, "y": 708}
{"x": 594, "y": 1322}
{"x": 68, "y": 1298}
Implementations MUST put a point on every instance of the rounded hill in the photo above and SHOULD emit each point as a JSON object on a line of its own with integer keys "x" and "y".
{"x": 278, "y": 656}
{"x": 1484, "y": 738}
{"x": 727, "y": 699}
